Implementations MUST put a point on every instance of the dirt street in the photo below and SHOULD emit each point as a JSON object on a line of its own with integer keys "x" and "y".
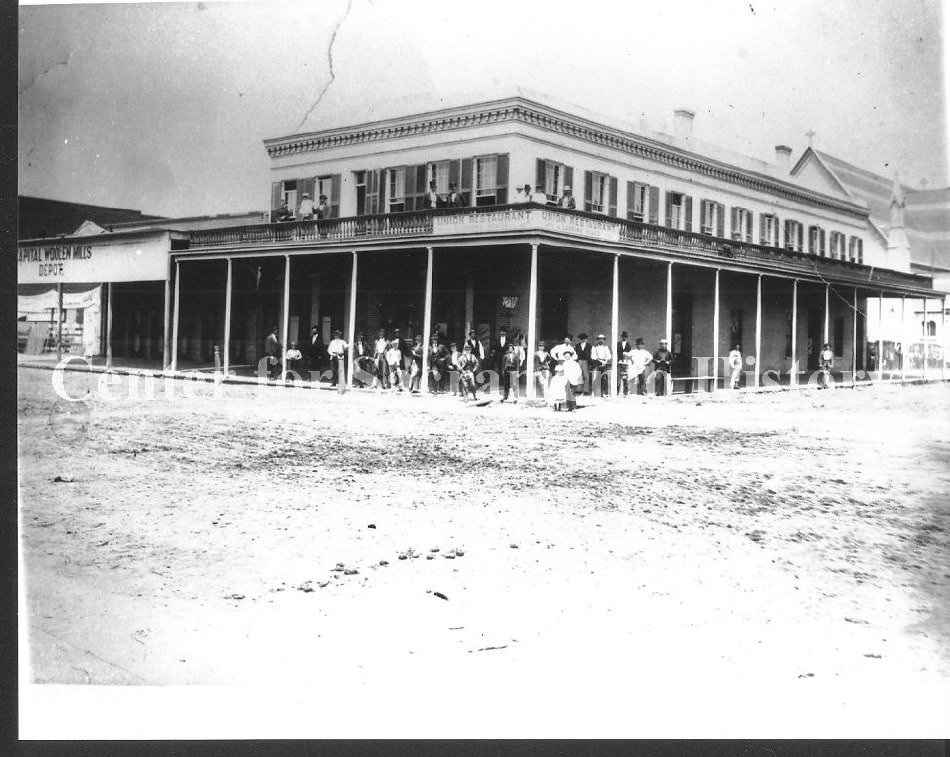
{"x": 780, "y": 556}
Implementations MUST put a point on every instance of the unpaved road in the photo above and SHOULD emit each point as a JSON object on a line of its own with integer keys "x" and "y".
{"x": 774, "y": 554}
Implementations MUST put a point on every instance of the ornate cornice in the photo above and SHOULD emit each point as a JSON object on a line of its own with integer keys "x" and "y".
{"x": 520, "y": 110}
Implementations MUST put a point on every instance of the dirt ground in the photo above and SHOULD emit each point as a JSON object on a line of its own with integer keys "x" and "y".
{"x": 766, "y": 560}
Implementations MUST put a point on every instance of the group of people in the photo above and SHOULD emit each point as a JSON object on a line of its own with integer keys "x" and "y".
{"x": 306, "y": 211}
{"x": 539, "y": 196}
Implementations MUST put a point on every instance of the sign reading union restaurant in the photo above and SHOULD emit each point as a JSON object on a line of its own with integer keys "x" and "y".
{"x": 517, "y": 219}
{"x": 87, "y": 263}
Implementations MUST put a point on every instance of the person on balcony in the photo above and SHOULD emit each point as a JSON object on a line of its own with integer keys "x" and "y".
{"x": 305, "y": 212}
{"x": 639, "y": 361}
{"x": 567, "y": 201}
{"x": 663, "y": 361}
{"x": 283, "y": 213}
{"x": 323, "y": 209}
{"x": 600, "y": 358}
{"x": 431, "y": 198}
{"x": 735, "y": 366}
{"x": 539, "y": 196}
{"x": 522, "y": 194}
{"x": 453, "y": 199}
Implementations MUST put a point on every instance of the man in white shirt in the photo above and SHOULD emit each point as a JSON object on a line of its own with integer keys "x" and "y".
{"x": 735, "y": 366}
{"x": 567, "y": 200}
{"x": 564, "y": 350}
{"x": 337, "y": 351}
{"x": 599, "y": 362}
{"x": 539, "y": 196}
{"x": 431, "y": 199}
{"x": 381, "y": 379}
{"x": 305, "y": 213}
{"x": 639, "y": 359}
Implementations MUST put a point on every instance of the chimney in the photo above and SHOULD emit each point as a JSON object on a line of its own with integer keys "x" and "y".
{"x": 683, "y": 124}
{"x": 783, "y": 158}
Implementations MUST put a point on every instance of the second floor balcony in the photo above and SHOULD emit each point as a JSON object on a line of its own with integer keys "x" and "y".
{"x": 558, "y": 225}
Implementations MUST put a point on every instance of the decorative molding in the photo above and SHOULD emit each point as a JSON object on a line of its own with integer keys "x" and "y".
{"x": 527, "y": 112}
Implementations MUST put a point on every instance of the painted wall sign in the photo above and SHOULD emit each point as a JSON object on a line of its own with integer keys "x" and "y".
{"x": 88, "y": 262}
{"x": 528, "y": 218}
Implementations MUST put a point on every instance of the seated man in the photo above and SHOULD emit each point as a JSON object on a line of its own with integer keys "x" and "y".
{"x": 282, "y": 213}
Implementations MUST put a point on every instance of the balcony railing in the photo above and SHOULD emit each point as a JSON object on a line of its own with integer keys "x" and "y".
{"x": 534, "y": 217}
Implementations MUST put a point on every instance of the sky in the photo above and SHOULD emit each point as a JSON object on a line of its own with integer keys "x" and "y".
{"x": 164, "y": 107}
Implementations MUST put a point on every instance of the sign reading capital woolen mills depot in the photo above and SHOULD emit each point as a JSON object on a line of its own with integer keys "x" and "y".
{"x": 88, "y": 262}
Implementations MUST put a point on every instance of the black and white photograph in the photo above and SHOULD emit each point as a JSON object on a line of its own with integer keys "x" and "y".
{"x": 397, "y": 369}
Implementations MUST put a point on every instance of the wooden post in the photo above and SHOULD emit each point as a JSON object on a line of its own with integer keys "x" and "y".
{"x": 166, "y": 326}
{"x": 109, "y": 326}
{"x": 758, "y": 329}
{"x": 615, "y": 329}
{"x": 59, "y": 321}
{"x": 943, "y": 340}
{"x": 427, "y": 322}
{"x": 903, "y": 333}
{"x": 532, "y": 322}
{"x": 227, "y": 320}
{"x": 793, "y": 381}
{"x": 854, "y": 340}
{"x": 669, "y": 309}
{"x": 176, "y": 317}
{"x": 715, "y": 383}
{"x": 880, "y": 336}
{"x": 351, "y": 330}
{"x": 286, "y": 319}
{"x": 824, "y": 338}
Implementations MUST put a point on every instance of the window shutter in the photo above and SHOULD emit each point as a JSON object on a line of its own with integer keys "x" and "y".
{"x": 454, "y": 168}
{"x": 335, "y": 196}
{"x": 501, "y": 181}
{"x": 465, "y": 184}
{"x": 721, "y": 219}
{"x": 631, "y": 195}
{"x": 734, "y": 222}
{"x": 372, "y": 192}
{"x": 654, "y": 208}
{"x": 669, "y": 210}
{"x": 275, "y": 191}
{"x": 821, "y": 241}
{"x": 688, "y": 213}
{"x": 411, "y": 192}
{"x": 762, "y": 229}
{"x": 612, "y": 203}
{"x": 540, "y": 174}
{"x": 588, "y": 190}
{"x": 569, "y": 177}
{"x": 748, "y": 226}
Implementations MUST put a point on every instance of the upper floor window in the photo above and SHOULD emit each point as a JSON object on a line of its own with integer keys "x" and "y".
{"x": 836, "y": 243}
{"x": 486, "y": 179}
{"x": 856, "y": 250}
{"x": 712, "y": 218}
{"x": 597, "y": 195}
{"x": 816, "y": 241}
{"x": 929, "y": 328}
{"x": 679, "y": 211}
{"x": 742, "y": 224}
{"x": 439, "y": 173}
{"x": 793, "y": 235}
{"x": 768, "y": 230}
{"x": 643, "y": 202}
{"x": 396, "y": 190}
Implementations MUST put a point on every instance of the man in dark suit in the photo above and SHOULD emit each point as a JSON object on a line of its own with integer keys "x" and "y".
{"x": 478, "y": 349}
{"x": 316, "y": 353}
{"x": 624, "y": 348}
{"x": 273, "y": 351}
{"x": 582, "y": 348}
{"x": 453, "y": 199}
{"x": 431, "y": 198}
{"x": 498, "y": 349}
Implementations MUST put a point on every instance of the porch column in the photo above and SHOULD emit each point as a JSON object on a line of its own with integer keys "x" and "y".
{"x": 923, "y": 342}
{"x": 824, "y": 338}
{"x": 615, "y": 329}
{"x": 109, "y": 326}
{"x": 854, "y": 339}
{"x": 903, "y": 333}
{"x": 880, "y": 335}
{"x": 59, "y": 321}
{"x": 286, "y": 318}
{"x": 669, "y": 307}
{"x": 532, "y": 322}
{"x": 793, "y": 379}
{"x": 758, "y": 329}
{"x": 943, "y": 339}
{"x": 715, "y": 384}
{"x": 166, "y": 326}
{"x": 351, "y": 331}
{"x": 426, "y": 323}
{"x": 175, "y": 320}
{"x": 227, "y": 320}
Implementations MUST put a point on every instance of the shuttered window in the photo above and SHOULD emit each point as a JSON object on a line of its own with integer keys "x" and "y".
{"x": 768, "y": 230}
{"x": 679, "y": 211}
{"x": 816, "y": 241}
{"x": 793, "y": 235}
{"x": 395, "y": 189}
{"x": 596, "y": 192}
{"x": 741, "y": 224}
{"x": 439, "y": 173}
{"x": 554, "y": 177}
{"x": 486, "y": 179}
{"x": 836, "y": 245}
{"x": 637, "y": 200}
{"x": 856, "y": 250}
{"x": 712, "y": 218}
{"x": 329, "y": 186}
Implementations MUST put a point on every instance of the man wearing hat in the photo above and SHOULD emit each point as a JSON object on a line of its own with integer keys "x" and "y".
{"x": 624, "y": 348}
{"x": 273, "y": 350}
{"x": 323, "y": 209}
{"x": 639, "y": 360}
{"x": 600, "y": 361}
{"x": 663, "y": 360}
{"x": 567, "y": 201}
{"x": 583, "y": 349}
{"x": 305, "y": 212}
{"x": 453, "y": 199}
{"x": 431, "y": 198}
